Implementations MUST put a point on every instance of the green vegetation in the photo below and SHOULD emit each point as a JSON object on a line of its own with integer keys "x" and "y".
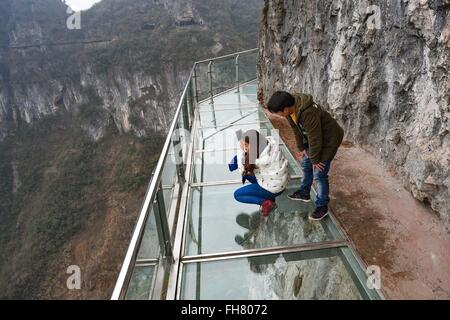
{"x": 125, "y": 181}
{"x": 6, "y": 193}
{"x": 66, "y": 180}
{"x": 66, "y": 208}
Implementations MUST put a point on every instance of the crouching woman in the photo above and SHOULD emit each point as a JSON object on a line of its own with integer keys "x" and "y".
{"x": 262, "y": 164}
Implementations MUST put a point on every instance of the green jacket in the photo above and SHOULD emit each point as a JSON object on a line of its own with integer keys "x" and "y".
{"x": 315, "y": 129}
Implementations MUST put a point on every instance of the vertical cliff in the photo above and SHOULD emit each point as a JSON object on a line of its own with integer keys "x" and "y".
{"x": 382, "y": 68}
{"x": 114, "y": 61}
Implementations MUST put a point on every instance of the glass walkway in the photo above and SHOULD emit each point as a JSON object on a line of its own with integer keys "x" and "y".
{"x": 194, "y": 241}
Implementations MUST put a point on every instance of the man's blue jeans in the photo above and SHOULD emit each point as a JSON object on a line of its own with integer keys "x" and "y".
{"x": 321, "y": 178}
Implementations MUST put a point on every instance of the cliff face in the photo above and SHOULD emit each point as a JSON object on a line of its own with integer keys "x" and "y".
{"x": 382, "y": 68}
{"x": 37, "y": 81}
{"x": 125, "y": 75}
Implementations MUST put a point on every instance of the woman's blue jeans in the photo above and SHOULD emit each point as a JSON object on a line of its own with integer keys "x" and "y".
{"x": 254, "y": 193}
{"x": 321, "y": 179}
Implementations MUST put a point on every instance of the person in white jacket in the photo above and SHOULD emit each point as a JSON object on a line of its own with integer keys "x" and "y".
{"x": 261, "y": 163}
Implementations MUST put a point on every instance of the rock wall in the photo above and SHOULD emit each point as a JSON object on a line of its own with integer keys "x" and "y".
{"x": 36, "y": 81}
{"x": 112, "y": 93}
{"x": 135, "y": 74}
{"x": 382, "y": 68}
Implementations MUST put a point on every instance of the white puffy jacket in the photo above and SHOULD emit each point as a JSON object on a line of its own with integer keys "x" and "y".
{"x": 272, "y": 170}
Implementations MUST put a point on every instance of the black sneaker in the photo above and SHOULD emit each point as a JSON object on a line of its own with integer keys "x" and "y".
{"x": 319, "y": 214}
{"x": 299, "y": 196}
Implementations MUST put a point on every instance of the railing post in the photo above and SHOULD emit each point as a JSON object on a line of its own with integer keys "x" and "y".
{"x": 185, "y": 108}
{"x": 178, "y": 164}
{"x": 191, "y": 103}
{"x": 237, "y": 73}
{"x": 195, "y": 85}
{"x": 210, "y": 80}
{"x": 162, "y": 225}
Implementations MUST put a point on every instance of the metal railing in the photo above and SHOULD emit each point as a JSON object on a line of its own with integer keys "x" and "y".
{"x": 218, "y": 78}
{"x": 224, "y": 73}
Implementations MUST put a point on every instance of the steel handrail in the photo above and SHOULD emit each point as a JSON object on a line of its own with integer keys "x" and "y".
{"x": 149, "y": 199}
{"x": 231, "y": 55}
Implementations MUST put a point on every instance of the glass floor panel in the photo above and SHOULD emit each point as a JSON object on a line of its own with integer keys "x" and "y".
{"x": 247, "y": 95}
{"x": 168, "y": 194}
{"x": 230, "y": 117}
{"x": 250, "y": 89}
{"x": 140, "y": 283}
{"x": 235, "y": 98}
{"x": 149, "y": 248}
{"x": 169, "y": 174}
{"x": 233, "y": 106}
{"x": 223, "y": 117}
{"x": 225, "y": 137}
{"x": 218, "y": 223}
{"x": 213, "y": 166}
{"x": 318, "y": 274}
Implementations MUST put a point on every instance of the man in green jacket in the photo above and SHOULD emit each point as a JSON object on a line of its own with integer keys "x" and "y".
{"x": 318, "y": 137}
